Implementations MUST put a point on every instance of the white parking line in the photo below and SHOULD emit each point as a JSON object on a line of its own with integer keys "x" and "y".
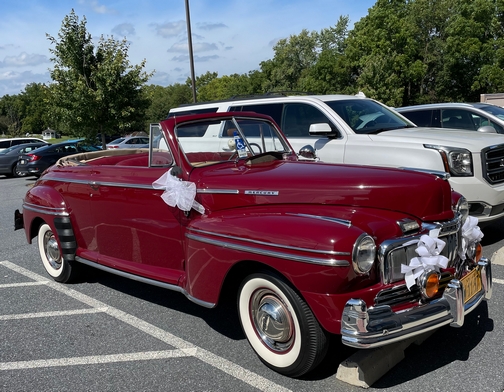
{"x": 500, "y": 281}
{"x": 96, "y": 359}
{"x": 203, "y": 355}
{"x": 51, "y": 314}
{"x": 23, "y": 284}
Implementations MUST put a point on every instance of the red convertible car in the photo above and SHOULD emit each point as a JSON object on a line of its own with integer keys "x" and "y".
{"x": 376, "y": 255}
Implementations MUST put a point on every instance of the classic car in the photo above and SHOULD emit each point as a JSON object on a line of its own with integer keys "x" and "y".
{"x": 310, "y": 249}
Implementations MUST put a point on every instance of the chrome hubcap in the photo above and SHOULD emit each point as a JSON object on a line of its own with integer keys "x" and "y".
{"x": 52, "y": 251}
{"x": 272, "y": 320}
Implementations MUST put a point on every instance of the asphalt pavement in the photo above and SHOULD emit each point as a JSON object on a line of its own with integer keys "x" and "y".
{"x": 106, "y": 333}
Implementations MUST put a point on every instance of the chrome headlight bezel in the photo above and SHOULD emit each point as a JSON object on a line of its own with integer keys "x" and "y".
{"x": 457, "y": 161}
{"x": 462, "y": 209}
{"x": 363, "y": 254}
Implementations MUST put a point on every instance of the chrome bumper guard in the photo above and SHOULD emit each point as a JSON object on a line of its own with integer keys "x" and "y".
{"x": 364, "y": 327}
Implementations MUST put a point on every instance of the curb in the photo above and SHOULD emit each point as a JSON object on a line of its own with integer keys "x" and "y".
{"x": 365, "y": 367}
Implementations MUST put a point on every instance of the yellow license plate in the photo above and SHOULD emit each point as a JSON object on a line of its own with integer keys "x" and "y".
{"x": 472, "y": 284}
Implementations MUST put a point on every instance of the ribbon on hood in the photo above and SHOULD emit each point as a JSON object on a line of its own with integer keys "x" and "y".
{"x": 429, "y": 250}
{"x": 471, "y": 233}
{"x": 178, "y": 193}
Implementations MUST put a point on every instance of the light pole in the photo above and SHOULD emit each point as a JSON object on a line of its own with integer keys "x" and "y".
{"x": 189, "y": 40}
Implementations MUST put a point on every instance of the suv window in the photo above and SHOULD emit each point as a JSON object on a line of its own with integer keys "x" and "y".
{"x": 458, "y": 118}
{"x": 5, "y": 144}
{"x": 424, "y": 118}
{"x": 294, "y": 118}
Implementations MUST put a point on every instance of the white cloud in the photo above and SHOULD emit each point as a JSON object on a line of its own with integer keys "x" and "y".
{"x": 97, "y": 7}
{"x": 124, "y": 29}
{"x": 24, "y": 60}
{"x": 170, "y": 29}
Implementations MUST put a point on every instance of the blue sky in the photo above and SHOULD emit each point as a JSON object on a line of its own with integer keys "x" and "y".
{"x": 229, "y": 36}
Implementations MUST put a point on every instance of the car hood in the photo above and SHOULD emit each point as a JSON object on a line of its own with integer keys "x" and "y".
{"x": 424, "y": 196}
{"x": 470, "y": 140}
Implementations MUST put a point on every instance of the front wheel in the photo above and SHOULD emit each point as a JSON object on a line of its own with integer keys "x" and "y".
{"x": 280, "y": 326}
{"x": 50, "y": 253}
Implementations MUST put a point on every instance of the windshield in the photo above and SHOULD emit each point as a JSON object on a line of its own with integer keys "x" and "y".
{"x": 366, "y": 116}
{"x": 495, "y": 110}
{"x": 242, "y": 138}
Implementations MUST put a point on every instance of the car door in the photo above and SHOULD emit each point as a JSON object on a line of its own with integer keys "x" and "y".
{"x": 132, "y": 228}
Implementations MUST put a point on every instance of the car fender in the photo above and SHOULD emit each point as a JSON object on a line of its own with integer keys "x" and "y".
{"x": 312, "y": 251}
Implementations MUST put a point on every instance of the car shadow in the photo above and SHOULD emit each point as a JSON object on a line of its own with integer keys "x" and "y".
{"x": 445, "y": 346}
{"x": 223, "y": 318}
{"x": 493, "y": 233}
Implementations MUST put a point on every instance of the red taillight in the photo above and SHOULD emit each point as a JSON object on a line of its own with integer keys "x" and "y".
{"x": 112, "y": 146}
{"x": 33, "y": 157}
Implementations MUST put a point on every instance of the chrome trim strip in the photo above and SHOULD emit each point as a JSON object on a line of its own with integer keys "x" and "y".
{"x": 57, "y": 211}
{"x": 282, "y": 255}
{"x": 262, "y": 193}
{"x": 146, "y": 280}
{"x": 324, "y": 252}
{"x": 219, "y": 191}
{"x": 343, "y": 222}
{"x": 98, "y": 183}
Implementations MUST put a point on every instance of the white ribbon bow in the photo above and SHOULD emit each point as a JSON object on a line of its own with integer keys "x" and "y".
{"x": 429, "y": 251}
{"x": 471, "y": 233}
{"x": 178, "y": 193}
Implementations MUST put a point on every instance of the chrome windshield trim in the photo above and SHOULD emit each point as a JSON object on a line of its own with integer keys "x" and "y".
{"x": 146, "y": 280}
{"x": 219, "y": 191}
{"x": 343, "y": 222}
{"x": 283, "y": 255}
{"x": 57, "y": 211}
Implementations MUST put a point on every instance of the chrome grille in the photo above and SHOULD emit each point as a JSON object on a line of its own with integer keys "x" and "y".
{"x": 393, "y": 253}
{"x": 400, "y": 295}
{"x": 492, "y": 162}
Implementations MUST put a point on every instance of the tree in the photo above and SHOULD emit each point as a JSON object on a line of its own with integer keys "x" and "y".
{"x": 11, "y": 112}
{"x": 35, "y": 108}
{"x": 96, "y": 90}
{"x": 292, "y": 60}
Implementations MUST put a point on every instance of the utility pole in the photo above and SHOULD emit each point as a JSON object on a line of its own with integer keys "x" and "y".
{"x": 189, "y": 40}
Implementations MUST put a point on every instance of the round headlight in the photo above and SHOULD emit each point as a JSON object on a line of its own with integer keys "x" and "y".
{"x": 364, "y": 253}
{"x": 463, "y": 208}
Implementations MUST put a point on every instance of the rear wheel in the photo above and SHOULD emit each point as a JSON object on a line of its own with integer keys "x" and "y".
{"x": 280, "y": 326}
{"x": 16, "y": 172}
{"x": 50, "y": 252}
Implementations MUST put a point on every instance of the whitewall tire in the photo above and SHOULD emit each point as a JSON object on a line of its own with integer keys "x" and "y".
{"x": 280, "y": 326}
{"x": 50, "y": 253}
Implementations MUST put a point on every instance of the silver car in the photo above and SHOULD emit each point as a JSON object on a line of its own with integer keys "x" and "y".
{"x": 479, "y": 116}
{"x": 129, "y": 142}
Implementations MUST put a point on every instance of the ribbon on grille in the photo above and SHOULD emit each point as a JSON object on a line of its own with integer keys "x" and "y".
{"x": 178, "y": 193}
{"x": 471, "y": 233}
{"x": 429, "y": 250}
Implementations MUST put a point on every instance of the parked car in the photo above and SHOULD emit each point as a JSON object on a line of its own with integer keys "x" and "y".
{"x": 483, "y": 117}
{"x": 14, "y": 141}
{"x": 129, "y": 142}
{"x": 34, "y": 163}
{"x": 359, "y": 130}
{"x": 309, "y": 249}
{"x": 9, "y": 158}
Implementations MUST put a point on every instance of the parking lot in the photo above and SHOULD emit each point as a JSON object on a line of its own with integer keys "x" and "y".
{"x": 106, "y": 333}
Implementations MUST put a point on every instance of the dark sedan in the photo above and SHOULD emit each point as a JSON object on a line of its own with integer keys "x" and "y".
{"x": 36, "y": 162}
{"x": 9, "y": 158}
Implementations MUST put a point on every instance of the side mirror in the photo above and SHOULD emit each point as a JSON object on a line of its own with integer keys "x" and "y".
{"x": 308, "y": 152}
{"x": 487, "y": 129}
{"x": 322, "y": 129}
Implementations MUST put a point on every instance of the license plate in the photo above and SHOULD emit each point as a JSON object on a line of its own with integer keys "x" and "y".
{"x": 22, "y": 161}
{"x": 472, "y": 284}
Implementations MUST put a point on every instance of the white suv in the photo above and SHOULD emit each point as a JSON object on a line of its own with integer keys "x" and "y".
{"x": 359, "y": 130}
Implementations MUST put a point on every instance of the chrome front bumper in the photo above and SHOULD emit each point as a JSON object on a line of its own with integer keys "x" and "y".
{"x": 364, "y": 327}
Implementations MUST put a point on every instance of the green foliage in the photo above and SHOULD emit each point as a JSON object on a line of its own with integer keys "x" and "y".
{"x": 95, "y": 90}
